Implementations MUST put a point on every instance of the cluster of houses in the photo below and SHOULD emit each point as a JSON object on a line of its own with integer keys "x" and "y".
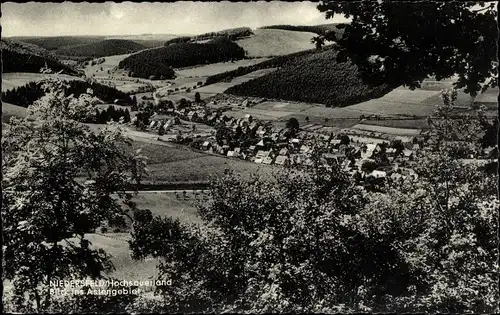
{"x": 261, "y": 143}
{"x": 248, "y": 139}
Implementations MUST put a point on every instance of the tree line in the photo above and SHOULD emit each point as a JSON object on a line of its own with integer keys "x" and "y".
{"x": 13, "y": 61}
{"x": 27, "y": 94}
{"x": 160, "y": 61}
{"x": 316, "y": 78}
{"x": 231, "y": 34}
{"x": 317, "y": 29}
{"x": 110, "y": 114}
{"x": 275, "y": 62}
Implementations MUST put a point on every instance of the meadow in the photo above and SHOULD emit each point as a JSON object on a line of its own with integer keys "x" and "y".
{"x": 388, "y": 130}
{"x": 13, "y": 80}
{"x": 399, "y": 123}
{"x": 271, "y": 42}
{"x": 10, "y": 110}
{"x": 221, "y": 87}
{"x": 216, "y": 68}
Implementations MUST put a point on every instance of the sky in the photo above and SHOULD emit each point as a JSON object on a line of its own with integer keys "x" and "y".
{"x": 129, "y": 18}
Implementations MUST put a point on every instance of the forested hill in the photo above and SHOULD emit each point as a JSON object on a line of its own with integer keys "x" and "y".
{"x": 27, "y": 94}
{"x": 321, "y": 29}
{"x": 25, "y": 57}
{"x": 103, "y": 48}
{"x": 157, "y": 63}
{"x": 231, "y": 34}
{"x": 316, "y": 78}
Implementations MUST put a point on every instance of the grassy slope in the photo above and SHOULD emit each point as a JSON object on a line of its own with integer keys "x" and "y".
{"x": 109, "y": 47}
{"x": 317, "y": 29}
{"x": 16, "y": 79}
{"x": 59, "y": 42}
{"x": 316, "y": 78}
{"x": 270, "y": 42}
{"x": 10, "y": 110}
{"x": 179, "y": 164}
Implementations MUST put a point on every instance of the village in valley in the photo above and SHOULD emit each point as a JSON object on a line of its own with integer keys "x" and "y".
{"x": 370, "y": 157}
{"x": 250, "y": 157}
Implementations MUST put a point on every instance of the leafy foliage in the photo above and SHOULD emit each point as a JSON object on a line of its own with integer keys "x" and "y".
{"x": 270, "y": 247}
{"x": 316, "y": 78}
{"x": 312, "y": 241}
{"x": 231, "y": 34}
{"x": 160, "y": 61}
{"x": 110, "y": 114}
{"x": 413, "y": 40}
{"x": 47, "y": 205}
{"x": 33, "y": 91}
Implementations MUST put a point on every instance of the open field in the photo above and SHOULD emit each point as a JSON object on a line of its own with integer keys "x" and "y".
{"x": 398, "y": 123}
{"x": 161, "y": 154}
{"x": 15, "y": 79}
{"x": 167, "y": 204}
{"x": 405, "y": 95}
{"x": 9, "y": 110}
{"x": 222, "y": 86}
{"x": 271, "y": 42}
{"x": 489, "y": 98}
{"x": 216, "y": 68}
{"x": 109, "y": 63}
{"x": 388, "y": 108}
{"x": 283, "y": 106}
{"x": 336, "y": 123}
{"x": 388, "y": 130}
{"x": 329, "y": 112}
{"x": 202, "y": 169}
{"x": 147, "y": 37}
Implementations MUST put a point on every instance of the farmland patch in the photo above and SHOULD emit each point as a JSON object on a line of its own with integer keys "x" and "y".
{"x": 216, "y": 68}
{"x": 388, "y": 130}
{"x": 271, "y": 42}
{"x": 16, "y": 79}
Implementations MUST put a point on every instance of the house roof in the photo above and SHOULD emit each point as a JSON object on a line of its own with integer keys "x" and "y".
{"x": 378, "y": 174}
{"x": 280, "y": 159}
{"x": 267, "y": 160}
{"x": 407, "y": 152}
{"x": 261, "y": 143}
{"x": 261, "y": 153}
{"x": 283, "y": 151}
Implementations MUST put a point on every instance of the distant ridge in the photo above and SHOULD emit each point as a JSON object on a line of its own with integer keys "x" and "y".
{"x": 26, "y": 57}
{"x": 108, "y": 47}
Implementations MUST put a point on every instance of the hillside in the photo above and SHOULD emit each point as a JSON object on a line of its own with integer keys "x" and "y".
{"x": 275, "y": 62}
{"x": 59, "y": 42}
{"x": 109, "y": 47}
{"x": 317, "y": 29}
{"x": 25, "y": 57}
{"x": 159, "y": 62}
{"x": 315, "y": 78}
{"x": 27, "y": 94}
{"x": 231, "y": 34}
{"x": 270, "y": 42}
